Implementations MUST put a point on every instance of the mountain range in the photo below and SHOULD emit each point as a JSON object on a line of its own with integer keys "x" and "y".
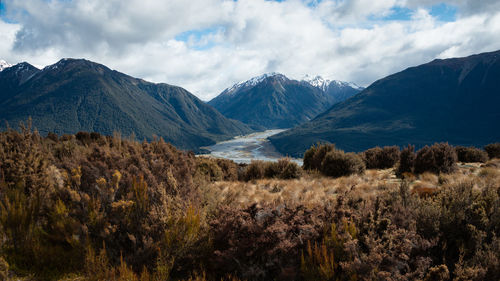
{"x": 273, "y": 101}
{"x": 79, "y": 95}
{"x": 452, "y": 100}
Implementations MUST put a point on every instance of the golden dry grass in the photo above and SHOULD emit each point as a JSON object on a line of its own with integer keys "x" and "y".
{"x": 314, "y": 189}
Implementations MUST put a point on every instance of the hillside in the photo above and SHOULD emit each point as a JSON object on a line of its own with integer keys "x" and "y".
{"x": 454, "y": 100}
{"x": 272, "y": 101}
{"x": 79, "y": 95}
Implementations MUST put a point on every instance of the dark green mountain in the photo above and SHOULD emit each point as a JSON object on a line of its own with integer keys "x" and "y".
{"x": 454, "y": 100}
{"x": 79, "y": 95}
{"x": 273, "y": 101}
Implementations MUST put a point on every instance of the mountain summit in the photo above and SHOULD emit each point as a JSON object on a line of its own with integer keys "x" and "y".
{"x": 79, "y": 95}
{"x": 273, "y": 101}
{"x": 4, "y": 65}
{"x": 452, "y": 100}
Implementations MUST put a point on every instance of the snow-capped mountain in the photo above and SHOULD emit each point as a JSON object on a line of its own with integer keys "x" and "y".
{"x": 272, "y": 100}
{"x": 322, "y": 83}
{"x": 4, "y": 65}
{"x": 252, "y": 82}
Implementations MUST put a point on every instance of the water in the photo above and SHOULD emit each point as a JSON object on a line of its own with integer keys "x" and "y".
{"x": 244, "y": 149}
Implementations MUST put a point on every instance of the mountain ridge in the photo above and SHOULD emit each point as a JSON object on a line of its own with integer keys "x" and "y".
{"x": 444, "y": 100}
{"x": 79, "y": 95}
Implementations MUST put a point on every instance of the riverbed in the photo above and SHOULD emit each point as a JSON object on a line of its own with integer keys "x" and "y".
{"x": 244, "y": 149}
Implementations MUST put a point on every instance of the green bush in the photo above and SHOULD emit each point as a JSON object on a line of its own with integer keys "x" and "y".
{"x": 338, "y": 164}
{"x": 438, "y": 158}
{"x": 493, "y": 150}
{"x": 470, "y": 154}
{"x": 381, "y": 158}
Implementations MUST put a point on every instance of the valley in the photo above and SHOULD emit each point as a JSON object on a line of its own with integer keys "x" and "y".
{"x": 244, "y": 149}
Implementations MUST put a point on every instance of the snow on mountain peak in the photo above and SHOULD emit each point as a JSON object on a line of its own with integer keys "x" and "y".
{"x": 253, "y": 81}
{"x": 324, "y": 84}
{"x": 317, "y": 81}
{"x": 4, "y": 65}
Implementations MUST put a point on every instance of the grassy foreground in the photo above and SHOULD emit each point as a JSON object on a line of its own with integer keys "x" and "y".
{"x": 90, "y": 207}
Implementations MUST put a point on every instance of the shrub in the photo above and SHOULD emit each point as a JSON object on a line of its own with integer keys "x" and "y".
{"x": 470, "y": 154}
{"x": 438, "y": 158}
{"x": 229, "y": 169}
{"x": 493, "y": 150}
{"x": 263, "y": 243}
{"x": 4, "y": 269}
{"x": 284, "y": 168}
{"x": 208, "y": 169}
{"x": 288, "y": 169}
{"x": 338, "y": 164}
{"x": 406, "y": 160}
{"x": 313, "y": 157}
{"x": 255, "y": 170}
{"x": 381, "y": 158}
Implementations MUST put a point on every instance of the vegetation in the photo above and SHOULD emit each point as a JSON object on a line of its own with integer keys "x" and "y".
{"x": 493, "y": 150}
{"x": 381, "y": 158}
{"x": 438, "y": 158}
{"x": 471, "y": 154}
{"x": 90, "y": 207}
{"x": 406, "y": 160}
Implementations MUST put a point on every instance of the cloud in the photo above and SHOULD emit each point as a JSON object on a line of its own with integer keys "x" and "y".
{"x": 466, "y": 7}
{"x": 207, "y": 45}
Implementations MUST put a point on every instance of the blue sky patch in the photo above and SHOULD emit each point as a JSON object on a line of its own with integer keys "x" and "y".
{"x": 195, "y": 38}
{"x": 399, "y": 14}
{"x": 2, "y": 9}
{"x": 444, "y": 12}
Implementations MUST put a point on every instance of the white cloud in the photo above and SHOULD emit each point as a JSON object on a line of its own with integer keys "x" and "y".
{"x": 230, "y": 41}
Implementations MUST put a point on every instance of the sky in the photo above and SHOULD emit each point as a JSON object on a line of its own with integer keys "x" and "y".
{"x": 206, "y": 46}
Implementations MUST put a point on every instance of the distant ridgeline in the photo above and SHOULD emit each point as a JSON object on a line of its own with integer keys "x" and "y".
{"x": 452, "y": 100}
{"x": 79, "y": 95}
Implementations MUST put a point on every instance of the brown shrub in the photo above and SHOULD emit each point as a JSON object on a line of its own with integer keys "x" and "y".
{"x": 262, "y": 243}
{"x": 493, "y": 150}
{"x": 255, "y": 170}
{"x": 338, "y": 164}
{"x": 438, "y": 158}
{"x": 406, "y": 160}
{"x": 381, "y": 158}
{"x": 284, "y": 168}
{"x": 229, "y": 169}
{"x": 471, "y": 154}
{"x": 314, "y": 156}
{"x": 208, "y": 169}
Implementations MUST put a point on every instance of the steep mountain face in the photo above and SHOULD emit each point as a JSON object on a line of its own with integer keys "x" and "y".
{"x": 273, "y": 101}
{"x": 79, "y": 95}
{"x": 453, "y": 100}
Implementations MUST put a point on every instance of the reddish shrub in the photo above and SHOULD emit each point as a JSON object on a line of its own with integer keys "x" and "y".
{"x": 262, "y": 243}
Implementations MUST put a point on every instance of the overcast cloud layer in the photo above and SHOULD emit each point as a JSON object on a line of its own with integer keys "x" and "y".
{"x": 208, "y": 45}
